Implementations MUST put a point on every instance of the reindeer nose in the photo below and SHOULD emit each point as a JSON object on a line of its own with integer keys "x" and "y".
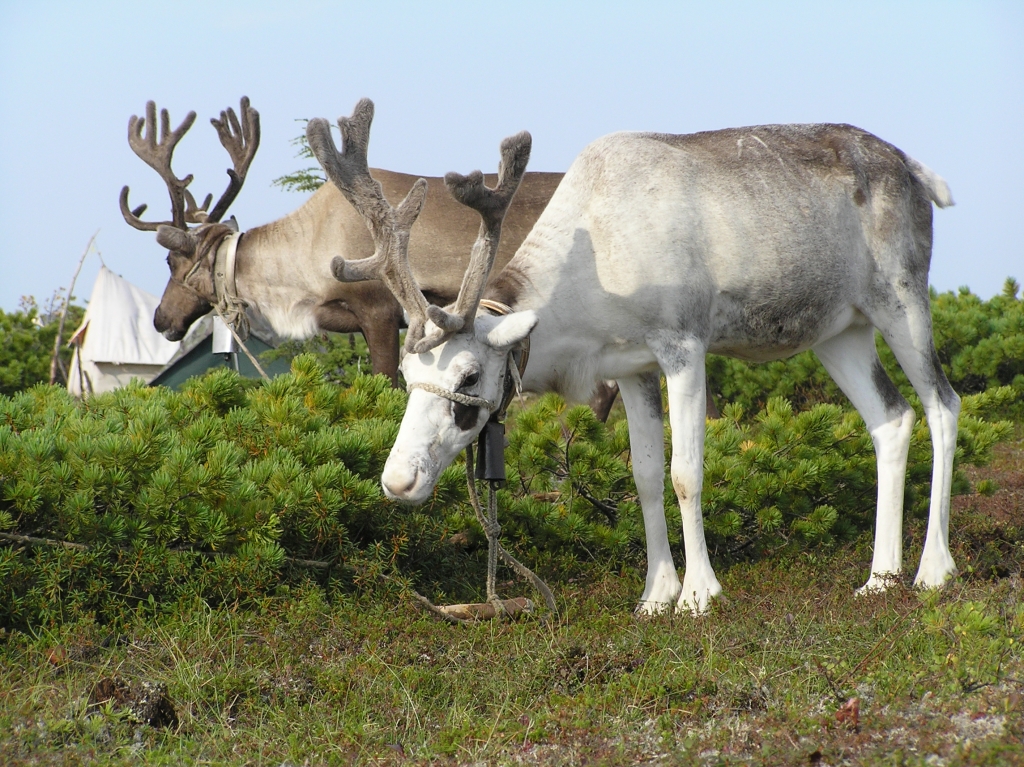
{"x": 399, "y": 479}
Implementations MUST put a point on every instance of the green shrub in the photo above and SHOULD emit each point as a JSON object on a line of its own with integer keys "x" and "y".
{"x": 793, "y": 480}
{"x": 213, "y": 492}
{"x": 230, "y": 489}
{"x": 26, "y": 344}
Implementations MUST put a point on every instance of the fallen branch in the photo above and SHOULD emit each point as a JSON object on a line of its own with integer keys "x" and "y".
{"x": 482, "y": 611}
{"x": 33, "y": 541}
{"x": 43, "y": 541}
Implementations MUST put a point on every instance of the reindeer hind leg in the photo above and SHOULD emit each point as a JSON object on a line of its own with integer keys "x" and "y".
{"x": 909, "y": 335}
{"x": 852, "y": 361}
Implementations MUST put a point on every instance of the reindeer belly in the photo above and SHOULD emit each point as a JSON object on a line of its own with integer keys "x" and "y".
{"x": 760, "y": 329}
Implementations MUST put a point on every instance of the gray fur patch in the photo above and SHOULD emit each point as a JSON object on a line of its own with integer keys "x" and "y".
{"x": 891, "y": 397}
{"x": 651, "y": 384}
{"x": 506, "y": 287}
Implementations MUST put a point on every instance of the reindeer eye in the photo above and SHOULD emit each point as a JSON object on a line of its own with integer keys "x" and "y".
{"x": 470, "y": 380}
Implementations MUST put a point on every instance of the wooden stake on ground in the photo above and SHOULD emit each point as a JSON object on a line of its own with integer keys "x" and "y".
{"x": 483, "y": 611}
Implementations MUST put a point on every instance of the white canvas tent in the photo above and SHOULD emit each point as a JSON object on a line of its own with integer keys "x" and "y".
{"x": 116, "y": 341}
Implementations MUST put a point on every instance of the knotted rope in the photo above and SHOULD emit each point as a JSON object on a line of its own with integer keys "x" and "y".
{"x": 488, "y": 522}
{"x": 454, "y": 396}
{"x": 231, "y": 309}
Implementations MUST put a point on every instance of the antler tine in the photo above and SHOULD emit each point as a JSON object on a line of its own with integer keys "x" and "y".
{"x": 389, "y": 226}
{"x": 241, "y": 140}
{"x": 132, "y": 216}
{"x": 491, "y": 204}
{"x": 197, "y": 214}
{"x": 157, "y": 155}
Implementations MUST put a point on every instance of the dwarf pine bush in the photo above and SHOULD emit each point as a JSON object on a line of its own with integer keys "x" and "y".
{"x": 790, "y": 480}
{"x": 146, "y": 498}
{"x": 570, "y": 494}
{"x": 212, "y": 493}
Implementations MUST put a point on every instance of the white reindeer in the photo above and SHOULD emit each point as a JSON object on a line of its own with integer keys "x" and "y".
{"x": 655, "y": 250}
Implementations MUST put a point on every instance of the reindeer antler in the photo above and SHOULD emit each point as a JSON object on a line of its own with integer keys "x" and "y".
{"x": 389, "y": 226}
{"x": 491, "y": 204}
{"x": 240, "y": 139}
{"x": 157, "y": 155}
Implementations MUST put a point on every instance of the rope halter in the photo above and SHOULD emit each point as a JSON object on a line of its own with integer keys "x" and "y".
{"x": 454, "y": 396}
{"x": 515, "y": 366}
{"x": 227, "y": 303}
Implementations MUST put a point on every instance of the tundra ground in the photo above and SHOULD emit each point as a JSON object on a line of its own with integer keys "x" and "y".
{"x": 790, "y": 668}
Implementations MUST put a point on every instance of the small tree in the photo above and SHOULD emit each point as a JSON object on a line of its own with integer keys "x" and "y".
{"x": 26, "y": 342}
{"x": 306, "y": 179}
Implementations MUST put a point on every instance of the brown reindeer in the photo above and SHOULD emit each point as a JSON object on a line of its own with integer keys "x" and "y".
{"x": 281, "y": 270}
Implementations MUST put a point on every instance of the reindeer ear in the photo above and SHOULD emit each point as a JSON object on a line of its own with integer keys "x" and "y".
{"x": 503, "y": 332}
{"x": 176, "y": 239}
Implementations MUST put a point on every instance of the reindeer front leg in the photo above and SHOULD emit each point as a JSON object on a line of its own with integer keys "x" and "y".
{"x": 642, "y": 397}
{"x": 377, "y": 315}
{"x": 381, "y": 333}
{"x": 682, "y": 359}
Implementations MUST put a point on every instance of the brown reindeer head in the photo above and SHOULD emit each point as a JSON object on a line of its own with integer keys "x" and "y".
{"x": 190, "y": 293}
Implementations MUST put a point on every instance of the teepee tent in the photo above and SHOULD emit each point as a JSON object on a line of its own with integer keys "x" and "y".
{"x": 116, "y": 341}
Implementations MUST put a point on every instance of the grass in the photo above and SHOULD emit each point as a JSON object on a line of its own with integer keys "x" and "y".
{"x": 939, "y": 677}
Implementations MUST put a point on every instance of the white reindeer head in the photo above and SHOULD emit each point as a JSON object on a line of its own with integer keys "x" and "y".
{"x": 456, "y": 364}
{"x": 437, "y": 426}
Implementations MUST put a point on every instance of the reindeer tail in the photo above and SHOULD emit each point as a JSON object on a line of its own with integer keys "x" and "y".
{"x": 934, "y": 184}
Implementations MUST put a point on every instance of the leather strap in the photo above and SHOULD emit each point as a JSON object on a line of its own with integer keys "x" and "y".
{"x": 231, "y": 307}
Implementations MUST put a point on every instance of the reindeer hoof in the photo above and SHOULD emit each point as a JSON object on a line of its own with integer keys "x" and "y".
{"x": 879, "y": 582}
{"x": 695, "y": 599}
{"x": 649, "y": 609}
{"x": 935, "y": 574}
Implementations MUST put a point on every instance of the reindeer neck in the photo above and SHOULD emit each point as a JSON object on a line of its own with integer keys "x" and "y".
{"x": 542, "y": 277}
{"x": 283, "y": 268}
{"x": 532, "y": 279}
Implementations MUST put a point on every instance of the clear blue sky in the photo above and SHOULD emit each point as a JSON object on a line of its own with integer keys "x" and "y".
{"x": 944, "y": 81}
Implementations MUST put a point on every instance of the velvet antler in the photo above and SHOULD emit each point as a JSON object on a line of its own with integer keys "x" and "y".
{"x": 157, "y": 155}
{"x": 491, "y": 204}
{"x": 241, "y": 139}
{"x": 389, "y": 226}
